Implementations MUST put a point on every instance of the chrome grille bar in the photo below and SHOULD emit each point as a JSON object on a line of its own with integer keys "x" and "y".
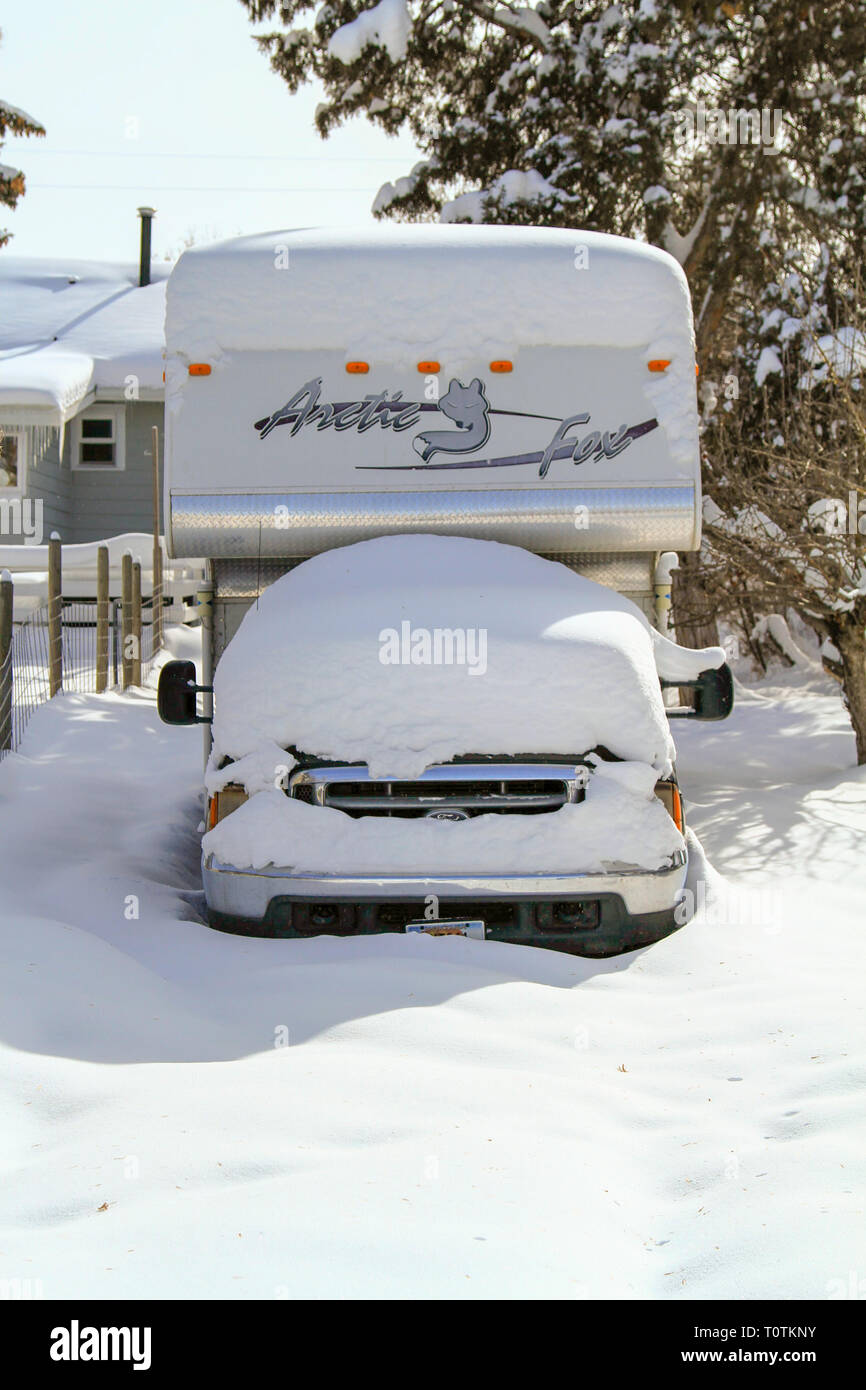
{"x": 473, "y": 787}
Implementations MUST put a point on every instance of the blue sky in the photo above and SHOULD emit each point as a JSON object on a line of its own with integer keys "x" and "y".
{"x": 169, "y": 103}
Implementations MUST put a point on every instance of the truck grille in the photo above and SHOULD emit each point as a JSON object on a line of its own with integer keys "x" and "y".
{"x": 464, "y": 789}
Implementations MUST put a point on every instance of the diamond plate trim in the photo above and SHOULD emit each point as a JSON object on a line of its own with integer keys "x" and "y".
{"x": 282, "y": 525}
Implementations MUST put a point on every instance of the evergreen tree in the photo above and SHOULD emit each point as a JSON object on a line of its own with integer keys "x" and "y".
{"x": 14, "y": 122}
{"x": 593, "y": 105}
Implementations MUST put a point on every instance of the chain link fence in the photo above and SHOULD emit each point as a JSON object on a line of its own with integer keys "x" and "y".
{"x": 25, "y": 681}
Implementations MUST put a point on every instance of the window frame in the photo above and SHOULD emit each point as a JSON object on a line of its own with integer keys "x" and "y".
{"x": 117, "y": 415}
{"x": 21, "y": 464}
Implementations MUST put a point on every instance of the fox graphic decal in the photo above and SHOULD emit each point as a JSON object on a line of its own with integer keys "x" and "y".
{"x": 469, "y": 408}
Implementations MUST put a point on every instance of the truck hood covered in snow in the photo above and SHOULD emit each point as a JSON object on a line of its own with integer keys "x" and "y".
{"x": 407, "y": 651}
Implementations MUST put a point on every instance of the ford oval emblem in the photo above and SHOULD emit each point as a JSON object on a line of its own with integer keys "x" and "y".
{"x": 454, "y": 814}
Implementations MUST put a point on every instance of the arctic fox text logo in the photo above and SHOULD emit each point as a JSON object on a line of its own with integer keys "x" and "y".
{"x": 76, "y": 1343}
{"x": 304, "y": 408}
{"x": 469, "y": 408}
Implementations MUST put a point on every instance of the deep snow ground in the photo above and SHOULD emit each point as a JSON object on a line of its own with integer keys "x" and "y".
{"x": 447, "y": 1118}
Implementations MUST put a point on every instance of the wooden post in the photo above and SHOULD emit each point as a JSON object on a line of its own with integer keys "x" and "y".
{"x": 6, "y": 596}
{"x": 101, "y": 619}
{"x": 136, "y": 622}
{"x": 157, "y": 548}
{"x": 55, "y": 617}
{"x": 126, "y": 621}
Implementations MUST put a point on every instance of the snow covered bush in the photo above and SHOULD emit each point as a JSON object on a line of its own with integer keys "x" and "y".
{"x": 785, "y": 520}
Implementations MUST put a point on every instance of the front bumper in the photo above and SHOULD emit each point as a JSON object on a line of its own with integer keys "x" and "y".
{"x": 598, "y": 914}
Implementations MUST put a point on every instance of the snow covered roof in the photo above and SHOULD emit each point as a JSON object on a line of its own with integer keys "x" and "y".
{"x": 454, "y": 291}
{"x": 69, "y": 328}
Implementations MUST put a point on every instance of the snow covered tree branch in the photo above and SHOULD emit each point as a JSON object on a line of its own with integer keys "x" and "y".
{"x": 13, "y": 121}
{"x": 785, "y": 516}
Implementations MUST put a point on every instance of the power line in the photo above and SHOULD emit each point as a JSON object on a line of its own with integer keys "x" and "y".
{"x": 247, "y": 158}
{"x": 183, "y": 188}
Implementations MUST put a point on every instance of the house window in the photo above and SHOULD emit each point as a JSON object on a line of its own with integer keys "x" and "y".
{"x": 11, "y": 461}
{"x": 98, "y": 438}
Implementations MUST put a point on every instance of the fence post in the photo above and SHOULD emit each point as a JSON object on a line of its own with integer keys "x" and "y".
{"x": 136, "y": 622}
{"x": 156, "y": 640}
{"x": 126, "y": 620}
{"x": 101, "y": 619}
{"x": 5, "y": 659}
{"x": 55, "y": 617}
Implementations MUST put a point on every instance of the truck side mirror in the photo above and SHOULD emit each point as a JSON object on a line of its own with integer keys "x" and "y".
{"x": 714, "y": 695}
{"x": 176, "y": 692}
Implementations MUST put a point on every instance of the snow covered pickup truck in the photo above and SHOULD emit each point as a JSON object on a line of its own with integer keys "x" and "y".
{"x": 439, "y": 474}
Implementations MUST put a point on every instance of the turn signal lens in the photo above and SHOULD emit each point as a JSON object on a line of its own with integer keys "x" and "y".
{"x": 668, "y": 794}
{"x": 222, "y": 803}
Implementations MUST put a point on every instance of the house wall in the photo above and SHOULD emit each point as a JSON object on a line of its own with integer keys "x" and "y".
{"x": 106, "y": 502}
{"x": 46, "y": 480}
{"x": 93, "y": 504}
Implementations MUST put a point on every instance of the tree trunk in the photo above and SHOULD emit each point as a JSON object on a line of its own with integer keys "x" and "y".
{"x": 694, "y": 612}
{"x": 850, "y": 638}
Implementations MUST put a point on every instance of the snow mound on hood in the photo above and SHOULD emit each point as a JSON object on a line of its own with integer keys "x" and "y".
{"x": 620, "y": 825}
{"x": 553, "y": 662}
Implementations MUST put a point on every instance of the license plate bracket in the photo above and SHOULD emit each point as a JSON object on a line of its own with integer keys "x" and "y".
{"x": 471, "y": 927}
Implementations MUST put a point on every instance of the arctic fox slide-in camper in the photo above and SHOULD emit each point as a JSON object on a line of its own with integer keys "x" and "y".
{"x": 440, "y": 475}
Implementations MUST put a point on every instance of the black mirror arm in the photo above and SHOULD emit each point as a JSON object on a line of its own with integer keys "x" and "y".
{"x": 678, "y": 685}
{"x": 202, "y": 690}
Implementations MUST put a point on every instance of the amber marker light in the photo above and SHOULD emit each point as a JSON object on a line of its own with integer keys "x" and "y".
{"x": 668, "y": 794}
{"x": 500, "y": 365}
{"x": 659, "y": 364}
{"x": 428, "y": 367}
{"x": 357, "y": 368}
{"x": 199, "y": 369}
